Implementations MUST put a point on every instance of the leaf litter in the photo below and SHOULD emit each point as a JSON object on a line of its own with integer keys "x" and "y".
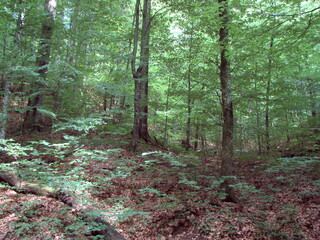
{"x": 151, "y": 197}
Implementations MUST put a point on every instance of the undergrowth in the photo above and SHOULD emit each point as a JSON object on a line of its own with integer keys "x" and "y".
{"x": 158, "y": 193}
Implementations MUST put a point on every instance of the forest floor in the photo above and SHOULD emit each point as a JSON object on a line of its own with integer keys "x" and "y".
{"x": 158, "y": 193}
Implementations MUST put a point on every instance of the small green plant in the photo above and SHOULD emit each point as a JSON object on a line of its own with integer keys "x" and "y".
{"x": 12, "y": 148}
{"x": 84, "y": 125}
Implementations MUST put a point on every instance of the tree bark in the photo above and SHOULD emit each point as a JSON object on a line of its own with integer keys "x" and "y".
{"x": 189, "y": 107}
{"x": 140, "y": 75}
{"x": 187, "y": 144}
{"x": 4, "y": 94}
{"x": 136, "y": 109}
{"x": 188, "y": 126}
{"x": 267, "y": 116}
{"x": 5, "y": 103}
{"x": 258, "y": 120}
{"x": 166, "y": 135}
{"x": 105, "y": 101}
{"x": 227, "y": 107}
{"x": 111, "y": 102}
{"x": 33, "y": 118}
{"x": 196, "y": 143}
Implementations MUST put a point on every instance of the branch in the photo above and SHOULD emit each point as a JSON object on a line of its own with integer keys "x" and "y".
{"x": 156, "y": 13}
{"x": 301, "y": 35}
{"x": 289, "y": 15}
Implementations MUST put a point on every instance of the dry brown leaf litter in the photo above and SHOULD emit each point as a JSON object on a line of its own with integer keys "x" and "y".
{"x": 183, "y": 213}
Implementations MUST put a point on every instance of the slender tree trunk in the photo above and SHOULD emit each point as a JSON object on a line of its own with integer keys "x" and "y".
{"x": 258, "y": 119}
{"x": 196, "y": 143}
{"x": 188, "y": 127}
{"x": 140, "y": 75}
{"x": 203, "y": 142}
{"x": 105, "y": 101}
{"x": 227, "y": 108}
{"x": 4, "y": 95}
{"x": 122, "y": 108}
{"x": 111, "y": 102}
{"x": 189, "y": 100}
{"x": 19, "y": 30}
{"x": 33, "y": 118}
{"x": 5, "y": 103}
{"x": 144, "y": 63}
{"x": 136, "y": 110}
{"x": 166, "y": 137}
{"x": 20, "y": 52}
{"x": 288, "y": 127}
{"x": 267, "y": 116}
{"x": 123, "y": 102}
{"x": 314, "y": 105}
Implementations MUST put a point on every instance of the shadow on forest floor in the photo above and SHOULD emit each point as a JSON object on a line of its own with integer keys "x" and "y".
{"x": 157, "y": 194}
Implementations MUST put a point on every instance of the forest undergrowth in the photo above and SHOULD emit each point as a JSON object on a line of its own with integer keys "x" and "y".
{"x": 155, "y": 193}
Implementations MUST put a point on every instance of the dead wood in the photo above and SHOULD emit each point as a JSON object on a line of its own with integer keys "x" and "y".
{"x": 84, "y": 212}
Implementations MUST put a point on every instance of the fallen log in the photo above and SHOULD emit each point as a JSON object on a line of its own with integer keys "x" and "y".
{"x": 84, "y": 212}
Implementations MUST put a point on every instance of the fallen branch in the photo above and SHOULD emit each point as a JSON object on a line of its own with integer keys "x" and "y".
{"x": 83, "y": 212}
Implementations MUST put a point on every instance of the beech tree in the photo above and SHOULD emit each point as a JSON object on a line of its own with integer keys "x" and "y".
{"x": 89, "y": 50}
{"x": 140, "y": 74}
{"x": 227, "y": 107}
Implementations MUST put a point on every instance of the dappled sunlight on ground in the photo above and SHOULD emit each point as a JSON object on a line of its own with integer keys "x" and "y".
{"x": 164, "y": 195}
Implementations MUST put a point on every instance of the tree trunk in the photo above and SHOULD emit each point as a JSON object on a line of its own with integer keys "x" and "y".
{"x": 189, "y": 100}
{"x": 227, "y": 108}
{"x": 5, "y": 103}
{"x": 33, "y": 118}
{"x": 258, "y": 119}
{"x": 4, "y": 95}
{"x": 111, "y": 102}
{"x": 196, "y": 143}
{"x": 314, "y": 105}
{"x": 122, "y": 108}
{"x": 203, "y": 142}
{"x": 105, "y": 101}
{"x": 140, "y": 75}
{"x": 188, "y": 127}
{"x": 267, "y": 117}
{"x": 166, "y": 135}
{"x": 136, "y": 110}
